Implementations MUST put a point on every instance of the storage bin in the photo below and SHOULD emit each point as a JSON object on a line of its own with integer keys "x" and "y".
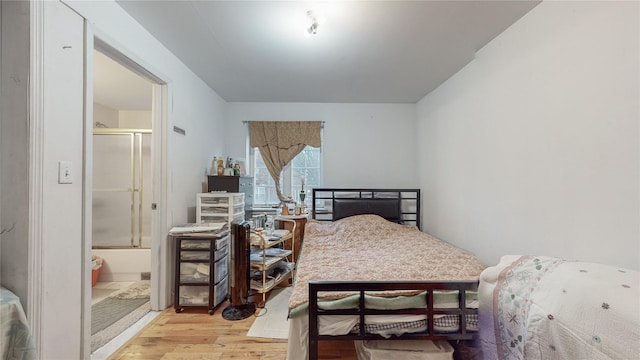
{"x": 96, "y": 264}
{"x": 403, "y": 349}
{"x": 220, "y": 291}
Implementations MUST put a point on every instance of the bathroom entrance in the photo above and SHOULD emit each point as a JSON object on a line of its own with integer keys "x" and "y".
{"x": 122, "y": 195}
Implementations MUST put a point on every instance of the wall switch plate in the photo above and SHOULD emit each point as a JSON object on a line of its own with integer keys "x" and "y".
{"x": 65, "y": 174}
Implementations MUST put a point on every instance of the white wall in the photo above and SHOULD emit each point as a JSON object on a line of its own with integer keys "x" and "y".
{"x": 135, "y": 119}
{"x": 533, "y": 147}
{"x": 125, "y": 119}
{"x": 364, "y": 145}
{"x": 105, "y": 115}
{"x": 123, "y": 264}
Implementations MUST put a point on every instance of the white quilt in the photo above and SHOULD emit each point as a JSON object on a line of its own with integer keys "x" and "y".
{"x": 535, "y": 307}
{"x": 16, "y": 341}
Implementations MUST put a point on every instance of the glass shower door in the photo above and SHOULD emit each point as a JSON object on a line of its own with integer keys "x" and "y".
{"x": 120, "y": 162}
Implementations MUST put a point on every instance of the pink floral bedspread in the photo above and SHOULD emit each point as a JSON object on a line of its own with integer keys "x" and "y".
{"x": 370, "y": 248}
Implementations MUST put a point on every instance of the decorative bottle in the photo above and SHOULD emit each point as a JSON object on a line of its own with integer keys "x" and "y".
{"x": 214, "y": 166}
{"x": 220, "y": 166}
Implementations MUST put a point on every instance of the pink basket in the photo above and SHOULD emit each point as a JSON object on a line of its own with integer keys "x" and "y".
{"x": 96, "y": 264}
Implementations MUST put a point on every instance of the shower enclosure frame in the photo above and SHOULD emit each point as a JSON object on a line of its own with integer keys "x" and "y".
{"x": 136, "y": 187}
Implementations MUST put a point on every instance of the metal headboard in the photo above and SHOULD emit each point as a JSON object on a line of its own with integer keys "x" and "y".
{"x": 397, "y": 205}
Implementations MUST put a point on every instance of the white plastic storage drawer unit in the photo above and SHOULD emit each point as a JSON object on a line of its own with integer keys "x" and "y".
{"x": 219, "y": 208}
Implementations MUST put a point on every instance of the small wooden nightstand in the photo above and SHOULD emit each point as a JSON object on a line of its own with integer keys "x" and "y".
{"x": 298, "y": 236}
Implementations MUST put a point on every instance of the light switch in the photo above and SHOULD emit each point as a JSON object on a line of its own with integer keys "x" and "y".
{"x": 65, "y": 174}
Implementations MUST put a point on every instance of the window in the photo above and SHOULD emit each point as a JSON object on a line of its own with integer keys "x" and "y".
{"x": 305, "y": 165}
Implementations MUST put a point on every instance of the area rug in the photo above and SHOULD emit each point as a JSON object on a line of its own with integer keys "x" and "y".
{"x": 114, "y": 314}
{"x": 102, "y": 337}
{"x": 116, "y": 306}
{"x": 272, "y": 322}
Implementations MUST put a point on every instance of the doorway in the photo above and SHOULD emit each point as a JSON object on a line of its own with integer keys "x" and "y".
{"x": 123, "y": 146}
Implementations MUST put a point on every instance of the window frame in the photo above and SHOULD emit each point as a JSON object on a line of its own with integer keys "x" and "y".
{"x": 285, "y": 179}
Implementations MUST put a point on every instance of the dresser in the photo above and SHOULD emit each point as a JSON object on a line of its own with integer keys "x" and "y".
{"x": 201, "y": 270}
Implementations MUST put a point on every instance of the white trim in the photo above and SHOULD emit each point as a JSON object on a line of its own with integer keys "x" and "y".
{"x": 166, "y": 220}
{"x": 36, "y": 170}
{"x": 87, "y": 193}
{"x": 119, "y": 53}
{"x": 160, "y": 270}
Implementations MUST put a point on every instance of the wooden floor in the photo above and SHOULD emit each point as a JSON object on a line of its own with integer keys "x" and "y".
{"x": 194, "y": 334}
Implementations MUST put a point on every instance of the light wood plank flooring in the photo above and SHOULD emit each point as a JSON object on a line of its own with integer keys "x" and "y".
{"x": 194, "y": 334}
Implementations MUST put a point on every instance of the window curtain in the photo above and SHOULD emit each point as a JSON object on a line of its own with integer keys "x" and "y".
{"x": 280, "y": 141}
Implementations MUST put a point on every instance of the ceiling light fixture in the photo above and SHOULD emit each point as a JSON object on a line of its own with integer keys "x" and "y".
{"x": 315, "y": 22}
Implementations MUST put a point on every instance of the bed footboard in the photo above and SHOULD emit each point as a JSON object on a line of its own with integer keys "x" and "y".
{"x": 461, "y": 312}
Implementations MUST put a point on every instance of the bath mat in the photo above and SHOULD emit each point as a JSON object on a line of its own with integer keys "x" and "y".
{"x": 102, "y": 337}
{"x": 138, "y": 290}
{"x": 106, "y": 312}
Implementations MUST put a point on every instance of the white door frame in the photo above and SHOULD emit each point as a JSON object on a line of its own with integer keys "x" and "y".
{"x": 36, "y": 165}
{"x": 87, "y": 192}
{"x": 160, "y": 270}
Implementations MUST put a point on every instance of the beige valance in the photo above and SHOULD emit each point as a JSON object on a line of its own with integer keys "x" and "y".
{"x": 284, "y": 134}
{"x": 280, "y": 141}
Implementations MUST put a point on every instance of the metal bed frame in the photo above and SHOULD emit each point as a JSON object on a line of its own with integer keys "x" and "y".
{"x": 397, "y": 205}
{"x": 361, "y": 311}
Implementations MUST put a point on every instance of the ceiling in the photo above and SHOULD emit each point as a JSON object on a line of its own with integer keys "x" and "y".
{"x": 365, "y": 51}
